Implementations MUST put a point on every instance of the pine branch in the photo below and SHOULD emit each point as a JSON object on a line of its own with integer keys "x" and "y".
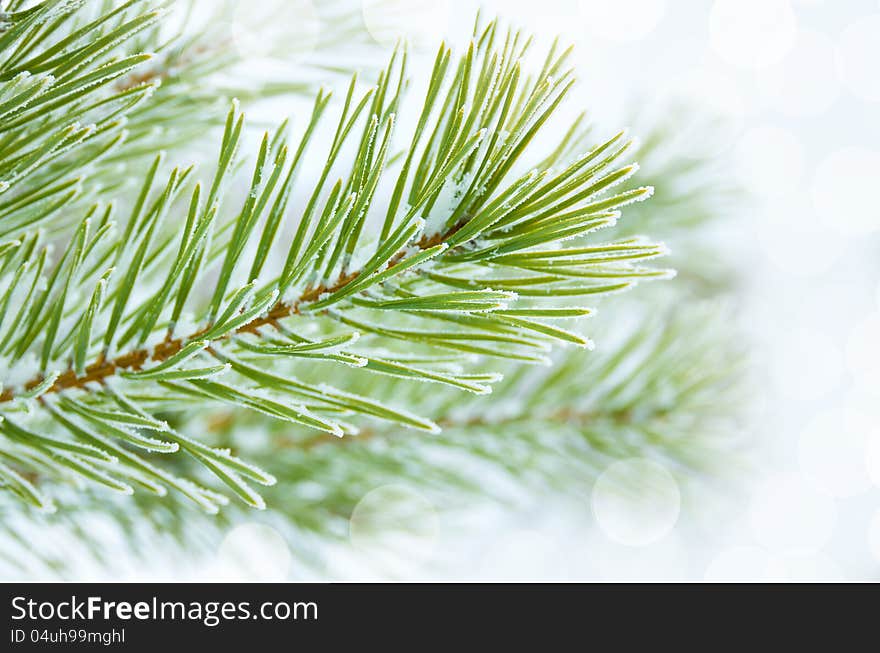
{"x": 471, "y": 257}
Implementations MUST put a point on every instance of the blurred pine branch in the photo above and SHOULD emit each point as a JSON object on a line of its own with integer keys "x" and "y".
{"x": 655, "y": 392}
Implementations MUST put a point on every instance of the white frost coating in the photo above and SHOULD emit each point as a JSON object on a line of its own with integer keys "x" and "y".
{"x": 362, "y": 254}
{"x": 95, "y": 386}
{"x": 611, "y": 221}
{"x": 446, "y": 203}
{"x": 113, "y": 382}
{"x": 273, "y": 296}
{"x": 15, "y": 374}
{"x": 431, "y": 263}
{"x": 186, "y": 324}
{"x": 292, "y": 293}
{"x": 648, "y": 194}
{"x": 661, "y": 248}
{"x": 155, "y": 338}
{"x": 411, "y": 250}
{"x": 336, "y": 430}
{"x": 419, "y": 224}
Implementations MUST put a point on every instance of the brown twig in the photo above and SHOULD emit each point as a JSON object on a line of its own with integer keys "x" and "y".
{"x": 134, "y": 360}
{"x": 102, "y": 369}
